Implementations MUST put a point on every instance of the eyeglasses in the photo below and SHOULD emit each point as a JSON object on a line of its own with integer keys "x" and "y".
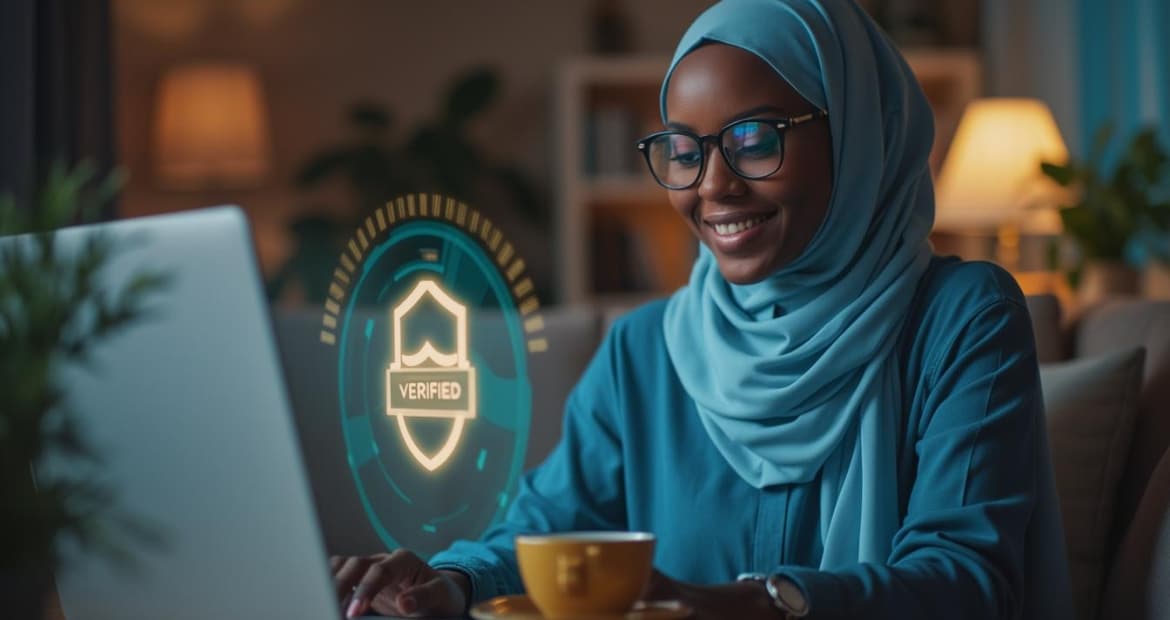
{"x": 753, "y": 149}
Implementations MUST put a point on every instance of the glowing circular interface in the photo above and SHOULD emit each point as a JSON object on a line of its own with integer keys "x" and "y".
{"x": 434, "y": 393}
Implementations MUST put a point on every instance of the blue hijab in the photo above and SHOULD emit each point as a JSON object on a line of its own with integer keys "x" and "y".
{"x": 796, "y": 377}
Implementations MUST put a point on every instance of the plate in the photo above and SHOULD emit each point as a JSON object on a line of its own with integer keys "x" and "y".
{"x": 520, "y": 607}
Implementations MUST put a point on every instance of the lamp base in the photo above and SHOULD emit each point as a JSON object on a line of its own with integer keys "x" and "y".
{"x": 1007, "y": 247}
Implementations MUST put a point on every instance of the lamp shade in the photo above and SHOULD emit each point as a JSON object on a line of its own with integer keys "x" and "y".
{"x": 211, "y": 127}
{"x": 991, "y": 176}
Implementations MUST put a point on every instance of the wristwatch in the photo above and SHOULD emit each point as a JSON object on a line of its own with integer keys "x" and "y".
{"x": 786, "y": 595}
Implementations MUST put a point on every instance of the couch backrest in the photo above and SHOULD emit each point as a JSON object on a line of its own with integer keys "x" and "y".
{"x": 1125, "y": 324}
{"x": 1140, "y": 522}
{"x": 573, "y": 333}
{"x": 1138, "y": 587}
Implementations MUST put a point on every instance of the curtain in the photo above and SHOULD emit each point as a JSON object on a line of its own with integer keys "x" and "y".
{"x": 56, "y": 101}
{"x": 1092, "y": 61}
{"x": 1124, "y": 55}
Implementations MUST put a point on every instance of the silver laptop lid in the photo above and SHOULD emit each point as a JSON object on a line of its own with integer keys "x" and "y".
{"x": 190, "y": 411}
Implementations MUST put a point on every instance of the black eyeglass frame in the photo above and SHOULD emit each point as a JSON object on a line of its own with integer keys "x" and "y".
{"x": 779, "y": 124}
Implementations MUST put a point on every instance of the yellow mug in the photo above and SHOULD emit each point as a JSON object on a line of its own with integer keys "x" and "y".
{"x": 576, "y": 574}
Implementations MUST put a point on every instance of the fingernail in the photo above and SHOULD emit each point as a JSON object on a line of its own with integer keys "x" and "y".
{"x": 408, "y": 604}
{"x": 355, "y": 608}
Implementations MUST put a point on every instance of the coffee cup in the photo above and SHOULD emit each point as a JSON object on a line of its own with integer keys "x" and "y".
{"x": 576, "y": 574}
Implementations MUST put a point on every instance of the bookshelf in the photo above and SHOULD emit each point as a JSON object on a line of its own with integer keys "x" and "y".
{"x": 618, "y": 240}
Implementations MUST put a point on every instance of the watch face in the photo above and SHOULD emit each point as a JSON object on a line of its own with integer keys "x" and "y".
{"x": 788, "y": 595}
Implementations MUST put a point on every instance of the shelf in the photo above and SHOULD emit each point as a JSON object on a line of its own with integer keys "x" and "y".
{"x": 618, "y": 238}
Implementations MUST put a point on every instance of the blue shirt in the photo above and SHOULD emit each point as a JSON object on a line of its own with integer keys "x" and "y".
{"x": 980, "y": 532}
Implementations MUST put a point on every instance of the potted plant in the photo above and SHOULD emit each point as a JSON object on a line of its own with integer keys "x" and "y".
{"x": 377, "y": 164}
{"x": 1154, "y": 247}
{"x": 53, "y": 310}
{"x": 1115, "y": 212}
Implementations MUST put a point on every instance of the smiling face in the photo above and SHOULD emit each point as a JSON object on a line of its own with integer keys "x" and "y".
{"x": 753, "y": 227}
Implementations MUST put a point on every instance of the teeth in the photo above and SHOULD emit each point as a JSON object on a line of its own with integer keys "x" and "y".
{"x": 735, "y": 227}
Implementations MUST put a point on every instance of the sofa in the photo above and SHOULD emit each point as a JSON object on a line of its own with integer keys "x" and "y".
{"x": 1135, "y": 556}
{"x": 1115, "y": 484}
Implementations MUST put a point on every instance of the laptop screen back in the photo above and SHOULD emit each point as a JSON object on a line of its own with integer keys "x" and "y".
{"x": 190, "y": 412}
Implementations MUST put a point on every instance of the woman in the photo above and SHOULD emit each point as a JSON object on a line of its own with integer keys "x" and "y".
{"x": 825, "y": 402}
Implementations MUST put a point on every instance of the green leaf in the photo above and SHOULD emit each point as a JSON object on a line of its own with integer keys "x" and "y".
{"x": 321, "y": 167}
{"x": 1063, "y": 174}
{"x": 1160, "y": 216}
{"x": 369, "y": 116}
{"x": 146, "y": 282}
{"x": 54, "y": 308}
{"x": 470, "y": 95}
{"x": 1081, "y": 223}
{"x": 1100, "y": 143}
{"x": 12, "y": 221}
{"x": 1146, "y": 155}
{"x": 1115, "y": 206}
{"x": 92, "y": 205}
{"x": 523, "y": 195}
{"x": 376, "y": 165}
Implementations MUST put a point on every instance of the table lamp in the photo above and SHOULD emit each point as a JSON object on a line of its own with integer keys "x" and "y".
{"x": 991, "y": 178}
{"x": 210, "y": 128}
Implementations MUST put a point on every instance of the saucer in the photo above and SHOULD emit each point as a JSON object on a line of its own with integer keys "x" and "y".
{"x": 520, "y": 607}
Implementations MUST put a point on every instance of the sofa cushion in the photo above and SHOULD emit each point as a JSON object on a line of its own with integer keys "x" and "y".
{"x": 1138, "y": 587}
{"x": 1091, "y": 406}
{"x": 1121, "y": 325}
{"x": 573, "y": 333}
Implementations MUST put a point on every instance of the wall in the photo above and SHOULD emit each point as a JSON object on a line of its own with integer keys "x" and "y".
{"x": 317, "y": 56}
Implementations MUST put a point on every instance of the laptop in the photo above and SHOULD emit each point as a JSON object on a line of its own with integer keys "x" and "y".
{"x": 191, "y": 412}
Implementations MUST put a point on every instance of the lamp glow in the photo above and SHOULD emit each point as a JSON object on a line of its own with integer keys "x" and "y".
{"x": 211, "y": 127}
{"x": 991, "y": 176}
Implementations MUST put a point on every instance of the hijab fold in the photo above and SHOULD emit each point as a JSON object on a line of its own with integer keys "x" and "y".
{"x": 796, "y": 377}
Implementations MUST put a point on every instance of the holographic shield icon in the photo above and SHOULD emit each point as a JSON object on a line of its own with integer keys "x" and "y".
{"x": 434, "y": 319}
{"x": 429, "y": 383}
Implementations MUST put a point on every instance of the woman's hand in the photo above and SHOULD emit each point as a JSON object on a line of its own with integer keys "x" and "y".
{"x": 398, "y": 583}
{"x": 745, "y": 601}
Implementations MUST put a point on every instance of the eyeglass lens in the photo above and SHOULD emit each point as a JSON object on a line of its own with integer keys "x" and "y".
{"x": 752, "y": 148}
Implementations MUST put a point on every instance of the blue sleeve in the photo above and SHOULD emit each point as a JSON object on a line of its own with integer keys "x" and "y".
{"x": 960, "y": 551}
{"x": 578, "y": 487}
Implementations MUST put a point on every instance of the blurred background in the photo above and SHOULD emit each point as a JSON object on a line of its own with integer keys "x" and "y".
{"x": 310, "y": 114}
{"x": 1050, "y": 157}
